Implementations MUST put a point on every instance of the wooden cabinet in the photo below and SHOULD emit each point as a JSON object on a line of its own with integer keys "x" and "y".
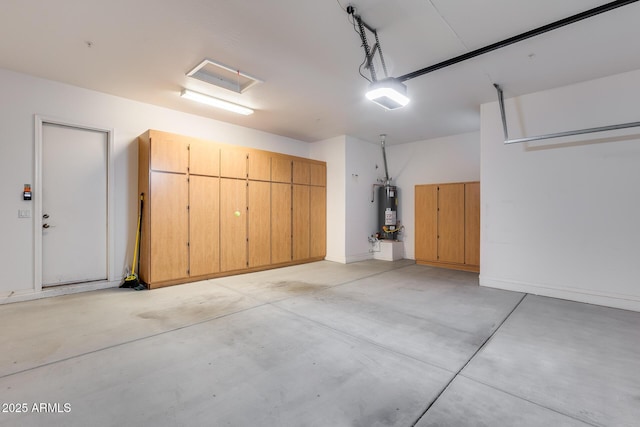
{"x": 233, "y": 224}
{"x": 213, "y": 209}
{"x": 280, "y": 223}
{"x": 259, "y": 166}
{"x": 204, "y": 158}
{"x": 300, "y": 226}
{"x": 301, "y": 172}
{"x": 204, "y": 219}
{"x": 426, "y": 222}
{"x": 163, "y": 181}
{"x": 280, "y": 169}
{"x": 447, "y": 224}
{"x": 317, "y": 222}
{"x": 259, "y": 217}
{"x": 318, "y": 174}
{"x": 233, "y": 162}
{"x": 451, "y": 223}
{"x": 169, "y": 226}
{"x": 169, "y": 153}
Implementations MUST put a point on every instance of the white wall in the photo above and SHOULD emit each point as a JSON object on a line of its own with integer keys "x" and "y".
{"x": 333, "y": 151}
{"x": 24, "y": 96}
{"x": 361, "y": 214}
{"x": 562, "y": 217}
{"x": 351, "y": 217}
{"x": 450, "y": 159}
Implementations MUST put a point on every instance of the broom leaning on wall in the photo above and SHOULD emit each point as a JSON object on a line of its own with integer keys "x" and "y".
{"x": 132, "y": 280}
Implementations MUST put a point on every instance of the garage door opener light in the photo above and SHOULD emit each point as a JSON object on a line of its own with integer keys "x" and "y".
{"x": 389, "y": 93}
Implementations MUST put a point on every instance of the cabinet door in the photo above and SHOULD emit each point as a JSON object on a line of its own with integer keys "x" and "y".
{"x": 300, "y": 228}
{"x": 233, "y": 162}
{"x": 472, "y": 223}
{"x": 280, "y": 223}
{"x": 204, "y": 158}
{"x": 259, "y": 216}
{"x": 317, "y": 222}
{"x": 169, "y": 153}
{"x": 233, "y": 224}
{"x": 280, "y": 169}
{"x": 451, "y": 223}
{"x": 169, "y": 227}
{"x": 318, "y": 174}
{"x": 426, "y": 222}
{"x": 204, "y": 219}
{"x": 259, "y": 164}
{"x": 301, "y": 172}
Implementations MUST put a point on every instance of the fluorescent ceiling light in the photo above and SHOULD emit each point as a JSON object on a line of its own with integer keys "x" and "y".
{"x": 389, "y": 93}
{"x": 215, "y": 102}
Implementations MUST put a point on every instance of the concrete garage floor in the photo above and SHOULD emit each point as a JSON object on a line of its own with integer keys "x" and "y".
{"x": 374, "y": 343}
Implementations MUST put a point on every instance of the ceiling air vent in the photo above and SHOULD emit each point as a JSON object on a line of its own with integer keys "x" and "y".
{"x": 223, "y": 76}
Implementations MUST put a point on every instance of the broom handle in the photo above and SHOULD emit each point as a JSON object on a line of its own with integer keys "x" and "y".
{"x": 135, "y": 250}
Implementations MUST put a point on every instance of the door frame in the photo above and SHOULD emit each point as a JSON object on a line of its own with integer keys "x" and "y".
{"x": 40, "y": 121}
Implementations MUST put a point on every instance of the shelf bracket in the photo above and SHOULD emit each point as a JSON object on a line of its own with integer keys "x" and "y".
{"x": 552, "y": 135}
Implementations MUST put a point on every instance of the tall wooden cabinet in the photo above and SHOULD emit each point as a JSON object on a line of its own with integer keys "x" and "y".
{"x": 214, "y": 209}
{"x": 447, "y": 225}
{"x": 281, "y": 222}
{"x": 170, "y": 236}
{"x": 300, "y": 227}
{"x": 317, "y": 213}
{"x": 259, "y": 223}
{"x": 204, "y": 220}
{"x": 233, "y": 224}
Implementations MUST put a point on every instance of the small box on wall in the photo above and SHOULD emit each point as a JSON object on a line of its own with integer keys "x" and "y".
{"x": 26, "y": 193}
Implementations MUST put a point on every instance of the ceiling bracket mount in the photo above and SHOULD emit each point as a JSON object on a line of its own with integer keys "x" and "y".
{"x": 508, "y": 141}
{"x": 369, "y": 52}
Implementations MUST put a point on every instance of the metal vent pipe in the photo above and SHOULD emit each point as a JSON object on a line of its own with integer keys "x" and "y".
{"x": 387, "y": 180}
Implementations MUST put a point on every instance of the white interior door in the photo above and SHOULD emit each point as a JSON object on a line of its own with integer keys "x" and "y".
{"x": 74, "y": 205}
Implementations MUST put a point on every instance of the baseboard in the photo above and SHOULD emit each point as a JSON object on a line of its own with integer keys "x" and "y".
{"x": 28, "y": 295}
{"x": 626, "y": 302}
{"x": 340, "y": 259}
{"x": 359, "y": 257}
{"x": 450, "y": 265}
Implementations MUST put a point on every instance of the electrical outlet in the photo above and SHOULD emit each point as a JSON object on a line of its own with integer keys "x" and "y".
{"x": 24, "y": 213}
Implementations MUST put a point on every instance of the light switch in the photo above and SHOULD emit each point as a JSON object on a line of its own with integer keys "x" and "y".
{"x": 24, "y": 213}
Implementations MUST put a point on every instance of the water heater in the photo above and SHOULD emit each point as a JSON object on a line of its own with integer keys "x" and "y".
{"x": 388, "y": 211}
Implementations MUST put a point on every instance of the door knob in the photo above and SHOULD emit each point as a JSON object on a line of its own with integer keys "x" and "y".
{"x": 45, "y": 216}
{"x": 45, "y": 225}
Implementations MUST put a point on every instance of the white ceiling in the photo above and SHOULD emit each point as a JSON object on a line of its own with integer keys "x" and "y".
{"x": 308, "y": 54}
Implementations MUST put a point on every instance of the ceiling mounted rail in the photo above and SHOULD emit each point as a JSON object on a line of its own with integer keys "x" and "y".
{"x": 515, "y": 39}
{"x": 391, "y": 92}
{"x": 552, "y": 135}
